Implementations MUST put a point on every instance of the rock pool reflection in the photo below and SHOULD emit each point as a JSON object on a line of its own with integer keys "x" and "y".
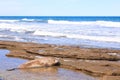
{"x": 8, "y": 62}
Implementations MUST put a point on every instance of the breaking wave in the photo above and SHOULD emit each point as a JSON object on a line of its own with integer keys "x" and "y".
{"x": 91, "y": 23}
{"x": 42, "y": 30}
{"x": 8, "y": 21}
{"x": 88, "y": 23}
{"x": 14, "y": 38}
{"x": 76, "y": 36}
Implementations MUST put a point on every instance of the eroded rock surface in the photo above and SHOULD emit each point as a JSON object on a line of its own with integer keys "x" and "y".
{"x": 93, "y": 61}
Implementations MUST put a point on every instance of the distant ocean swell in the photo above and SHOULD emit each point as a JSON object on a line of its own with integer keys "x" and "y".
{"x": 23, "y": 20}
{"x": 97, "y": 23}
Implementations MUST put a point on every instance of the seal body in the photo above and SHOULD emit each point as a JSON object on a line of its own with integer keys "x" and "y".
{"x": 41, "y": 62}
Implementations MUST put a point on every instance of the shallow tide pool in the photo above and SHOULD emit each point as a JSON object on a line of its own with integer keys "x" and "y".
{"x": 51, "y": 73}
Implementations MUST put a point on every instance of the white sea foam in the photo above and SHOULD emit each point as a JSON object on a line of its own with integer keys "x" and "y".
{"x": 96, "y": 38}
{"x": 45, "y": 33}
{"x": 88, "y": 23}
{"x": 16, "y": 38}
{"x": 25, "y": 19}
{"x": 76, "y": 36}
{"x": 4, "y": 36}
{"x": 108, "y": 23}
{"x": 15, "y": 27}
{"x": 50, "y": 30}
{"x": 62, "y": 22}
{"x": 11, "y": 21}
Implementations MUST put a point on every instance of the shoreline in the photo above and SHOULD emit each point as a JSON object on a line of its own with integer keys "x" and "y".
{"x": 98, "y": 62}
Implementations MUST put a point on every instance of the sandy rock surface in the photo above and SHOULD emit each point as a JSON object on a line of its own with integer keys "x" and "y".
{"x": 103, "y": 63}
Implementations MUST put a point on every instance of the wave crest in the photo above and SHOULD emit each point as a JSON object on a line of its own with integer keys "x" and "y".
{"x": 82, "y": 23}
{"x": 88, "y": 23}
{"x": 76, "y": 36}
{"x": 9, "y": 21}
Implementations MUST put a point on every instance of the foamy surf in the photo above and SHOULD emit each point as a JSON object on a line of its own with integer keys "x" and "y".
{"x": 88, "y": 23}
{"x": 8, "y": 21}
{"x": 76, "y": 36}
{"x": 45, "y": 33}
{"x": 95, "y": 31}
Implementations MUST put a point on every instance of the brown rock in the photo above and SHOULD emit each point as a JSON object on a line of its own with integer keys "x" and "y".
{"x": 20, "y": 54}
{"x": 93, "y": 61}
{"x": 58, "y": 51}
{"x": 93, "y": 67}
{"x": 111, "y": 78}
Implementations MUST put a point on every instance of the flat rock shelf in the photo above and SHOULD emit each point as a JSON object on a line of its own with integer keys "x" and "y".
{"x": 50, "y": 73}
{"x": 101, "y": 63}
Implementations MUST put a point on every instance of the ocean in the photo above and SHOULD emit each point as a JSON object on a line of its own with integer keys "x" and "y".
{"x": 84, "y": 31}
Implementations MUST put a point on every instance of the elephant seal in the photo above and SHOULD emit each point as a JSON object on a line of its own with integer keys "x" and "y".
{"x": 38, "y": 63}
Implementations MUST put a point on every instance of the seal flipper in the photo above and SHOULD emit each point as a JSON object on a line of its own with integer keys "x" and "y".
{"x": 12, "y": 69}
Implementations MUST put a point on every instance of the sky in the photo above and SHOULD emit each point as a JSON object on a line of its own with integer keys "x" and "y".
{"x": 59, "y": 7}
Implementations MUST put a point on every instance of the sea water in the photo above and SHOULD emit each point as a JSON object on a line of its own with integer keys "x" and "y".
{"x": 102, "y": 32}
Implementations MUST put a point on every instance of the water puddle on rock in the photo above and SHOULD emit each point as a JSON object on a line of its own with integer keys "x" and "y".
{"x": 8, "y": 62}
{"x": 51, "y": 73}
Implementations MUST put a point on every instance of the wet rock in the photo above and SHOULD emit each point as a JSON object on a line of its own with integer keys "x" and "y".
{"x": 93, "y": 61}
{"x": 20, "y": 54}
{"x": 52, "y": 70}
{"x": 94, "y": 68}
{"x": 59, "y": 51}
{"x": 111, "y": 78}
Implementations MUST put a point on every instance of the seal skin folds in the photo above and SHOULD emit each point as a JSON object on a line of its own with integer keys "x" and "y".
{"x": 42, "y": 62}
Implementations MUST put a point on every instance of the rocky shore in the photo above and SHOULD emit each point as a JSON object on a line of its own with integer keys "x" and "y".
{"x": 102, "y": 63}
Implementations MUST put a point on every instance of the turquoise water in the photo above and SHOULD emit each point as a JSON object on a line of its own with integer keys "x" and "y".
{"x": 102, "y": 32}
